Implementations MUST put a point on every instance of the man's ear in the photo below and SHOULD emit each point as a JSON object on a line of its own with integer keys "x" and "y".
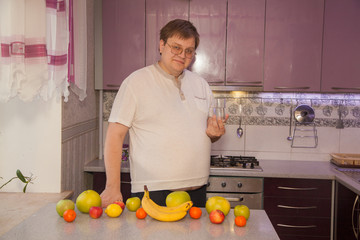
{"x": 161, "y": 46}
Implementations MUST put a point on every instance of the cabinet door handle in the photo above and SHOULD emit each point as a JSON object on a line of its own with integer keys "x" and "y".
{"x": 246, "y": 82}
{"x": 345, "y": 88}
{"x": 113, "y": 85}
{"x": 292, "y": 88}
{"x": 291, "y": 207}
{"x": 355, "y": 228}
{"x": 294, "y": 226}
{"x": 297, "y": 189}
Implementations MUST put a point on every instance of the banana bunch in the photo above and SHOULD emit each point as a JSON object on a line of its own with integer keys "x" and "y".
{"x": 164, "y": 214}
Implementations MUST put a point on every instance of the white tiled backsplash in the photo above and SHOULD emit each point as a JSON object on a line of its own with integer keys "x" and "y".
{"x": 266, "y": 120}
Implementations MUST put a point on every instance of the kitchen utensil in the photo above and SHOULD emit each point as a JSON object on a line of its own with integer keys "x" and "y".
{"x": 289, "y": 138}
{"x": 304, "y": 114}
{"x": 339, "y": 122}
{"x": 240, "y": 131}
{"x": 305, "y": 133}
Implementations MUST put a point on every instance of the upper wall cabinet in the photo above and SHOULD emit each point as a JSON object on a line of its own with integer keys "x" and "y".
{"x": 123, "y": 40}
{"x": 341, "y": 56}
{"x": 209, "y": 17}
{"x": 293, "y": 44}
{"x": 245, "y": 43}
{"x": 158, "y": 13}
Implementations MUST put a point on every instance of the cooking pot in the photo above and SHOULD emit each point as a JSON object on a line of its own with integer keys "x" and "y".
{"x": 304, "y": 114}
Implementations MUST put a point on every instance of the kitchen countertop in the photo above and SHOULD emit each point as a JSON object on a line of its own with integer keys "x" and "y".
{"x": 16, "y": 207}
{"x": 47, "y": 224}
{"x": 271, "y": 168}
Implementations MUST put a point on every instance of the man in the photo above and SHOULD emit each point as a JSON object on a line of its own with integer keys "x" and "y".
{"x": 165, "y": 109}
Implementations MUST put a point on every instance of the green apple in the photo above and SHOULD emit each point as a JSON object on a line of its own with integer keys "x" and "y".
{"x": 177, "y": 198}
{"x": 242, "y": 210}
{"x": 64, "y": 205}
{"x": 132, "y": 204}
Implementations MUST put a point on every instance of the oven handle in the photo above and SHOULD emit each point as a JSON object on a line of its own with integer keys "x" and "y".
{"x": 233, "y": 199}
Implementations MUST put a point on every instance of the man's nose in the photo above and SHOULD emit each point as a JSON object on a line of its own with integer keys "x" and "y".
{"x": 182, "y": 54}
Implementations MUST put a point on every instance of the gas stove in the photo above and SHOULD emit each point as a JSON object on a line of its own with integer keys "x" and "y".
{"x": 241, "y": 163}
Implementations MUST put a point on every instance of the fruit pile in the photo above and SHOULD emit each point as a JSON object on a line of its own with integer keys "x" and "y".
{"x": 178, "y": 204}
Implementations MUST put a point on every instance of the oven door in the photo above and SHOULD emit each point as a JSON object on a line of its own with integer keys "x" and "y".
{"x": 251, "y": 200}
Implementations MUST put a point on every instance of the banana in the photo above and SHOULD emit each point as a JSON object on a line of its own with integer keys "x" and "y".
{"x": 182, "y": 207}
{"x": 165, "y": 214}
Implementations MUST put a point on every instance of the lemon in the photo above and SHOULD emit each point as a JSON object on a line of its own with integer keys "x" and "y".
{"x": 113, "y": 210}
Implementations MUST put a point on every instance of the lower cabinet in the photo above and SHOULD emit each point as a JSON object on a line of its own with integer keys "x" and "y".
{"x": 346, "y": 214}
{"x": 99, "y": 181}
{"x": 299, "y": 208}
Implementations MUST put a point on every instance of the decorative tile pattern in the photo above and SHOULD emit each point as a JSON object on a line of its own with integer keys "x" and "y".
{"x": 273, "y": 109}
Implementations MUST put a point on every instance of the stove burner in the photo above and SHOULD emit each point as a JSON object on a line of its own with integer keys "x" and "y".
{"x": 235, "y": 162}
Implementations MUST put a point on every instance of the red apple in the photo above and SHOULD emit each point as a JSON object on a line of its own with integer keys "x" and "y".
{"x": 121, "y": 204}
{"x": 95, "y": 212}
{"x": 216, "y": 216}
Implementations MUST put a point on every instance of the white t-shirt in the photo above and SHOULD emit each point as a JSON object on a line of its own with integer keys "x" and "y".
{"x": 169, "y": 148}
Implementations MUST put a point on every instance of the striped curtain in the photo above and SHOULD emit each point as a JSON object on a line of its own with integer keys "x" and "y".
{"x": 34, "y": 57}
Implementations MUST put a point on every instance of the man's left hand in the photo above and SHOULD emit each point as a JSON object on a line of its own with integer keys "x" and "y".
{"x": 216, "y": 127}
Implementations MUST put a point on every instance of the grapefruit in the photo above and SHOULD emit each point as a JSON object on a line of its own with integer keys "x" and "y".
{"x": 219, "y": 203}
{"x": 177, "y": 198}
{"x": 88, "y": 199}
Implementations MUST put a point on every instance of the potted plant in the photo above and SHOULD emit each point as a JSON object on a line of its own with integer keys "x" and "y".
{"x": 22, "y": 178}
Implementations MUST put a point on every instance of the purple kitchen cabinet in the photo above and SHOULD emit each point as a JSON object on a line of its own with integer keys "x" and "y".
{"x": 158, "y": 13}
{"x": 293, "y": 45}
{"x": 341, "y": 52}
{"x": 245, "y": 42}
{"x": 123, "y": 40}
{"x": 209, "y": 17}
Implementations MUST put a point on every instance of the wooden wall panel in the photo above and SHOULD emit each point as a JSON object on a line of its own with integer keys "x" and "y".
{"x": 80, "y": 145}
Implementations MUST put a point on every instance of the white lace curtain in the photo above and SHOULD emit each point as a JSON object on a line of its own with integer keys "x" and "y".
{"x": 35, "y": 51}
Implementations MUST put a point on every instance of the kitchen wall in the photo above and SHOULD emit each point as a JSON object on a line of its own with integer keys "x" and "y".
{"x": 30, "y": 140}
{"x": 266, "y": 124}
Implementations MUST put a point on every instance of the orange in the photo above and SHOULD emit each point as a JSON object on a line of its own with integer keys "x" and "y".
{"x": 240, "y": 221}
{"x": 140, "y": 213}
{"x": 69, "y": 215}
{"x": 195, "y": 212}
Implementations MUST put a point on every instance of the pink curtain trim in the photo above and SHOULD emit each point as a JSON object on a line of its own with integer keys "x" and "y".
{"x": 71, "y": 73}
{"x": 19, "y": 48}
{"x": 57, "y": 60}
{"x": 5, "y": 50}
{"x": 59, "y": 5}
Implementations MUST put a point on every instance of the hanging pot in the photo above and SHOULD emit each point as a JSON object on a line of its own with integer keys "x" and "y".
{"x": 304, "y": 114}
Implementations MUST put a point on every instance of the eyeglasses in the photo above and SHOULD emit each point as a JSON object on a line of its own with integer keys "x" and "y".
{"x": 177, "y": 50}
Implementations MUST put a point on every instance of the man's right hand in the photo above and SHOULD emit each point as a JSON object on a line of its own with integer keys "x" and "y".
{"x": 109, "y": 196}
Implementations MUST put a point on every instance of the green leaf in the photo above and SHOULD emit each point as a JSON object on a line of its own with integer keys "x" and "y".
{"x": 24, "y": 190}
{"x": 20, "y": 176}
